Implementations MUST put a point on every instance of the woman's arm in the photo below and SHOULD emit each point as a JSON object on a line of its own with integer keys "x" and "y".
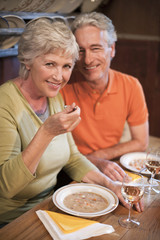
{"x": 55, "y": 125}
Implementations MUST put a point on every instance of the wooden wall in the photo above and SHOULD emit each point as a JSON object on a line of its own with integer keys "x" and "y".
{"x": 141, "y": 59}
{"x": 9, "y": 67}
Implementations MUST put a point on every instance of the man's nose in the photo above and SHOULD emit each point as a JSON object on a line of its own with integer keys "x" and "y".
{"x": 88, "y": 57}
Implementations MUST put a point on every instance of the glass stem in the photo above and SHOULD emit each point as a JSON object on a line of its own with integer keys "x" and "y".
{"x": 151, "y": 179}
{"x": 129, "y": 214}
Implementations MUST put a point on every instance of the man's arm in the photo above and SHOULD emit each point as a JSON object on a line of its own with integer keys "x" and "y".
{"x": 138, "y": 143}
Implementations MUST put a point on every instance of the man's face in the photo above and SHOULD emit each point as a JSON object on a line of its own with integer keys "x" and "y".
{"x": 95, "y": 55}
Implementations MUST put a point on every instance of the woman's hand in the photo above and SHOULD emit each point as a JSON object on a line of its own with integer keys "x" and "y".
{"x": 63, "y": 122}
{"x": 56, "y": 124}
{"x": 139, "y": 206}
{"x": 98, "y": 177}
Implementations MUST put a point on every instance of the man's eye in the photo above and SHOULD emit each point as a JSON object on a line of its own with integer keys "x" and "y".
{"x": 81, "y": 51}
{"x": 96, "y": 48}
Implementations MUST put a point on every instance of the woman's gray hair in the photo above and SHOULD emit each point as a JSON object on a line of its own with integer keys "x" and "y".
{"x": 98, "y": 20}
{"x": 42, "y": 36}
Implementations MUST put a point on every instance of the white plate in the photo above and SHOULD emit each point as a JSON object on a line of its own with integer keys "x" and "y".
{"x": 59, "y": 18}
{"x": 70, "y": 6}
{"x": 14, "y": 22}
{"x": 129, "y": 158}
{"x": 3, "y": 23}
{"x": 61, "y": 193}
{"x": 33, "y": 6}
{"x": 56, "y": 6}
{"x": 15, "y": 5}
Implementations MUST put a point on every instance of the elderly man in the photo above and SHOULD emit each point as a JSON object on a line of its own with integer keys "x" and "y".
{"x": 107, "y": 98}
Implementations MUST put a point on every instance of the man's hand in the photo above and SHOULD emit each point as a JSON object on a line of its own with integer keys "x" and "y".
{"x": 109, "y": 168}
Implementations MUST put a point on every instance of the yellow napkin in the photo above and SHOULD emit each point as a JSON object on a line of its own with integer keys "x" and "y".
{"x": 66, "y": 227}
{"x": 68, "y": 223}
{"x": 132, "y": 175}
{"x": 135, "y": 177}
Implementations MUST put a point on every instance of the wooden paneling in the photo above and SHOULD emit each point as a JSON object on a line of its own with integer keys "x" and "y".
{"x": 134, "y": 17}
{"x": 9, "y": 67}
{"x": 142, "y": 59}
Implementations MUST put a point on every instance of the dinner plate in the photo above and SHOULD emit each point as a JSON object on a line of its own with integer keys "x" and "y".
{"x": 13, "y": 22}
{"x": 70, "y": 6}
{"x": 59, "y": 196}
{"x": 15, "y": 5}
{"x": 69, "y": 20}
{"x": 3, "y": 23}
{"x": 56, "y": 6}
{"x": 33, "y": 6}
{"x": 131, "y": 161}
{"x": 59, "y": 18}
{"x": 45, "y": 5}
{"x": 90, "y": 5}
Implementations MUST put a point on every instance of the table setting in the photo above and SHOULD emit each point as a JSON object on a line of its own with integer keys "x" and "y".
{"x": 146, "y": 163}
{"x": 80, "y": 204}
{"x": 52, "y": 219}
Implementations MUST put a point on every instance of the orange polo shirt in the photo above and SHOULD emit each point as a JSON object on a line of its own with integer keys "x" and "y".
{"x": 103, "y": 115}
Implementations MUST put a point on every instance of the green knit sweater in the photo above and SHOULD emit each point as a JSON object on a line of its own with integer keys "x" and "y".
{"x": 19, "y": 189}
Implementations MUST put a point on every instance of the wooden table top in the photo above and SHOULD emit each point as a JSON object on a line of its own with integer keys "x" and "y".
{"x": 29, "y": 227}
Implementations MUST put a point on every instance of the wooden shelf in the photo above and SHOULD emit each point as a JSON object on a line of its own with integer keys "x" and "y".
{"x": 26, "y": 16}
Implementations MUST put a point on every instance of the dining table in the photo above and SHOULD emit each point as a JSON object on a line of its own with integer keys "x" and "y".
{"x": 29, "y": 227}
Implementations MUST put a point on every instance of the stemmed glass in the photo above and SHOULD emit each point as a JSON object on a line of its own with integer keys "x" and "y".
{"x": 132, "y": 190}
{"x": 152, "y": 163}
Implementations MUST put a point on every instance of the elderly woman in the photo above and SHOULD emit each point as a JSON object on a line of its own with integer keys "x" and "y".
{"x": 36, "y": 142}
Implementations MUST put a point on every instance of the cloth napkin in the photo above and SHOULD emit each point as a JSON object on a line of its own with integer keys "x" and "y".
{"x": 66, "y": 227}
{"x": 132, "y": 175}
{"x": 146, "y": 183}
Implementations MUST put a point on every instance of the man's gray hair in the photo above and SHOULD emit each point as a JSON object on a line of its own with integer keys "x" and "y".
{"x": 98, "y": 20}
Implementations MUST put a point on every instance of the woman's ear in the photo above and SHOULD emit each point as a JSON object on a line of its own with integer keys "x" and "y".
{"x": 27, "y": 67}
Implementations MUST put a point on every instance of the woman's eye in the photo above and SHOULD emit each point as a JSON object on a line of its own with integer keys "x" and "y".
{"x": 68, "y": 66}
{"x": 49, "y": 64}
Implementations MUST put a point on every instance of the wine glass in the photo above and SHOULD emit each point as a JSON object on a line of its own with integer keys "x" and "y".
{"x": 132, "y": 190}
{"x": 152, "y": 163}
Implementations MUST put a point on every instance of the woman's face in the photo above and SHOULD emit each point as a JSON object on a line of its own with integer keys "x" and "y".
{"x": 49, "y": 73}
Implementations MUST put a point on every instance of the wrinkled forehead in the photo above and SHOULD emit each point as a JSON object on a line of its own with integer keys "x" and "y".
{"x": 62, "y": 53}
{"x": 88, "y": 35}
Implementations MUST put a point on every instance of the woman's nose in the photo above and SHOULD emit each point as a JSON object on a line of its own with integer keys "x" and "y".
{"x": 58, "y": 73}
